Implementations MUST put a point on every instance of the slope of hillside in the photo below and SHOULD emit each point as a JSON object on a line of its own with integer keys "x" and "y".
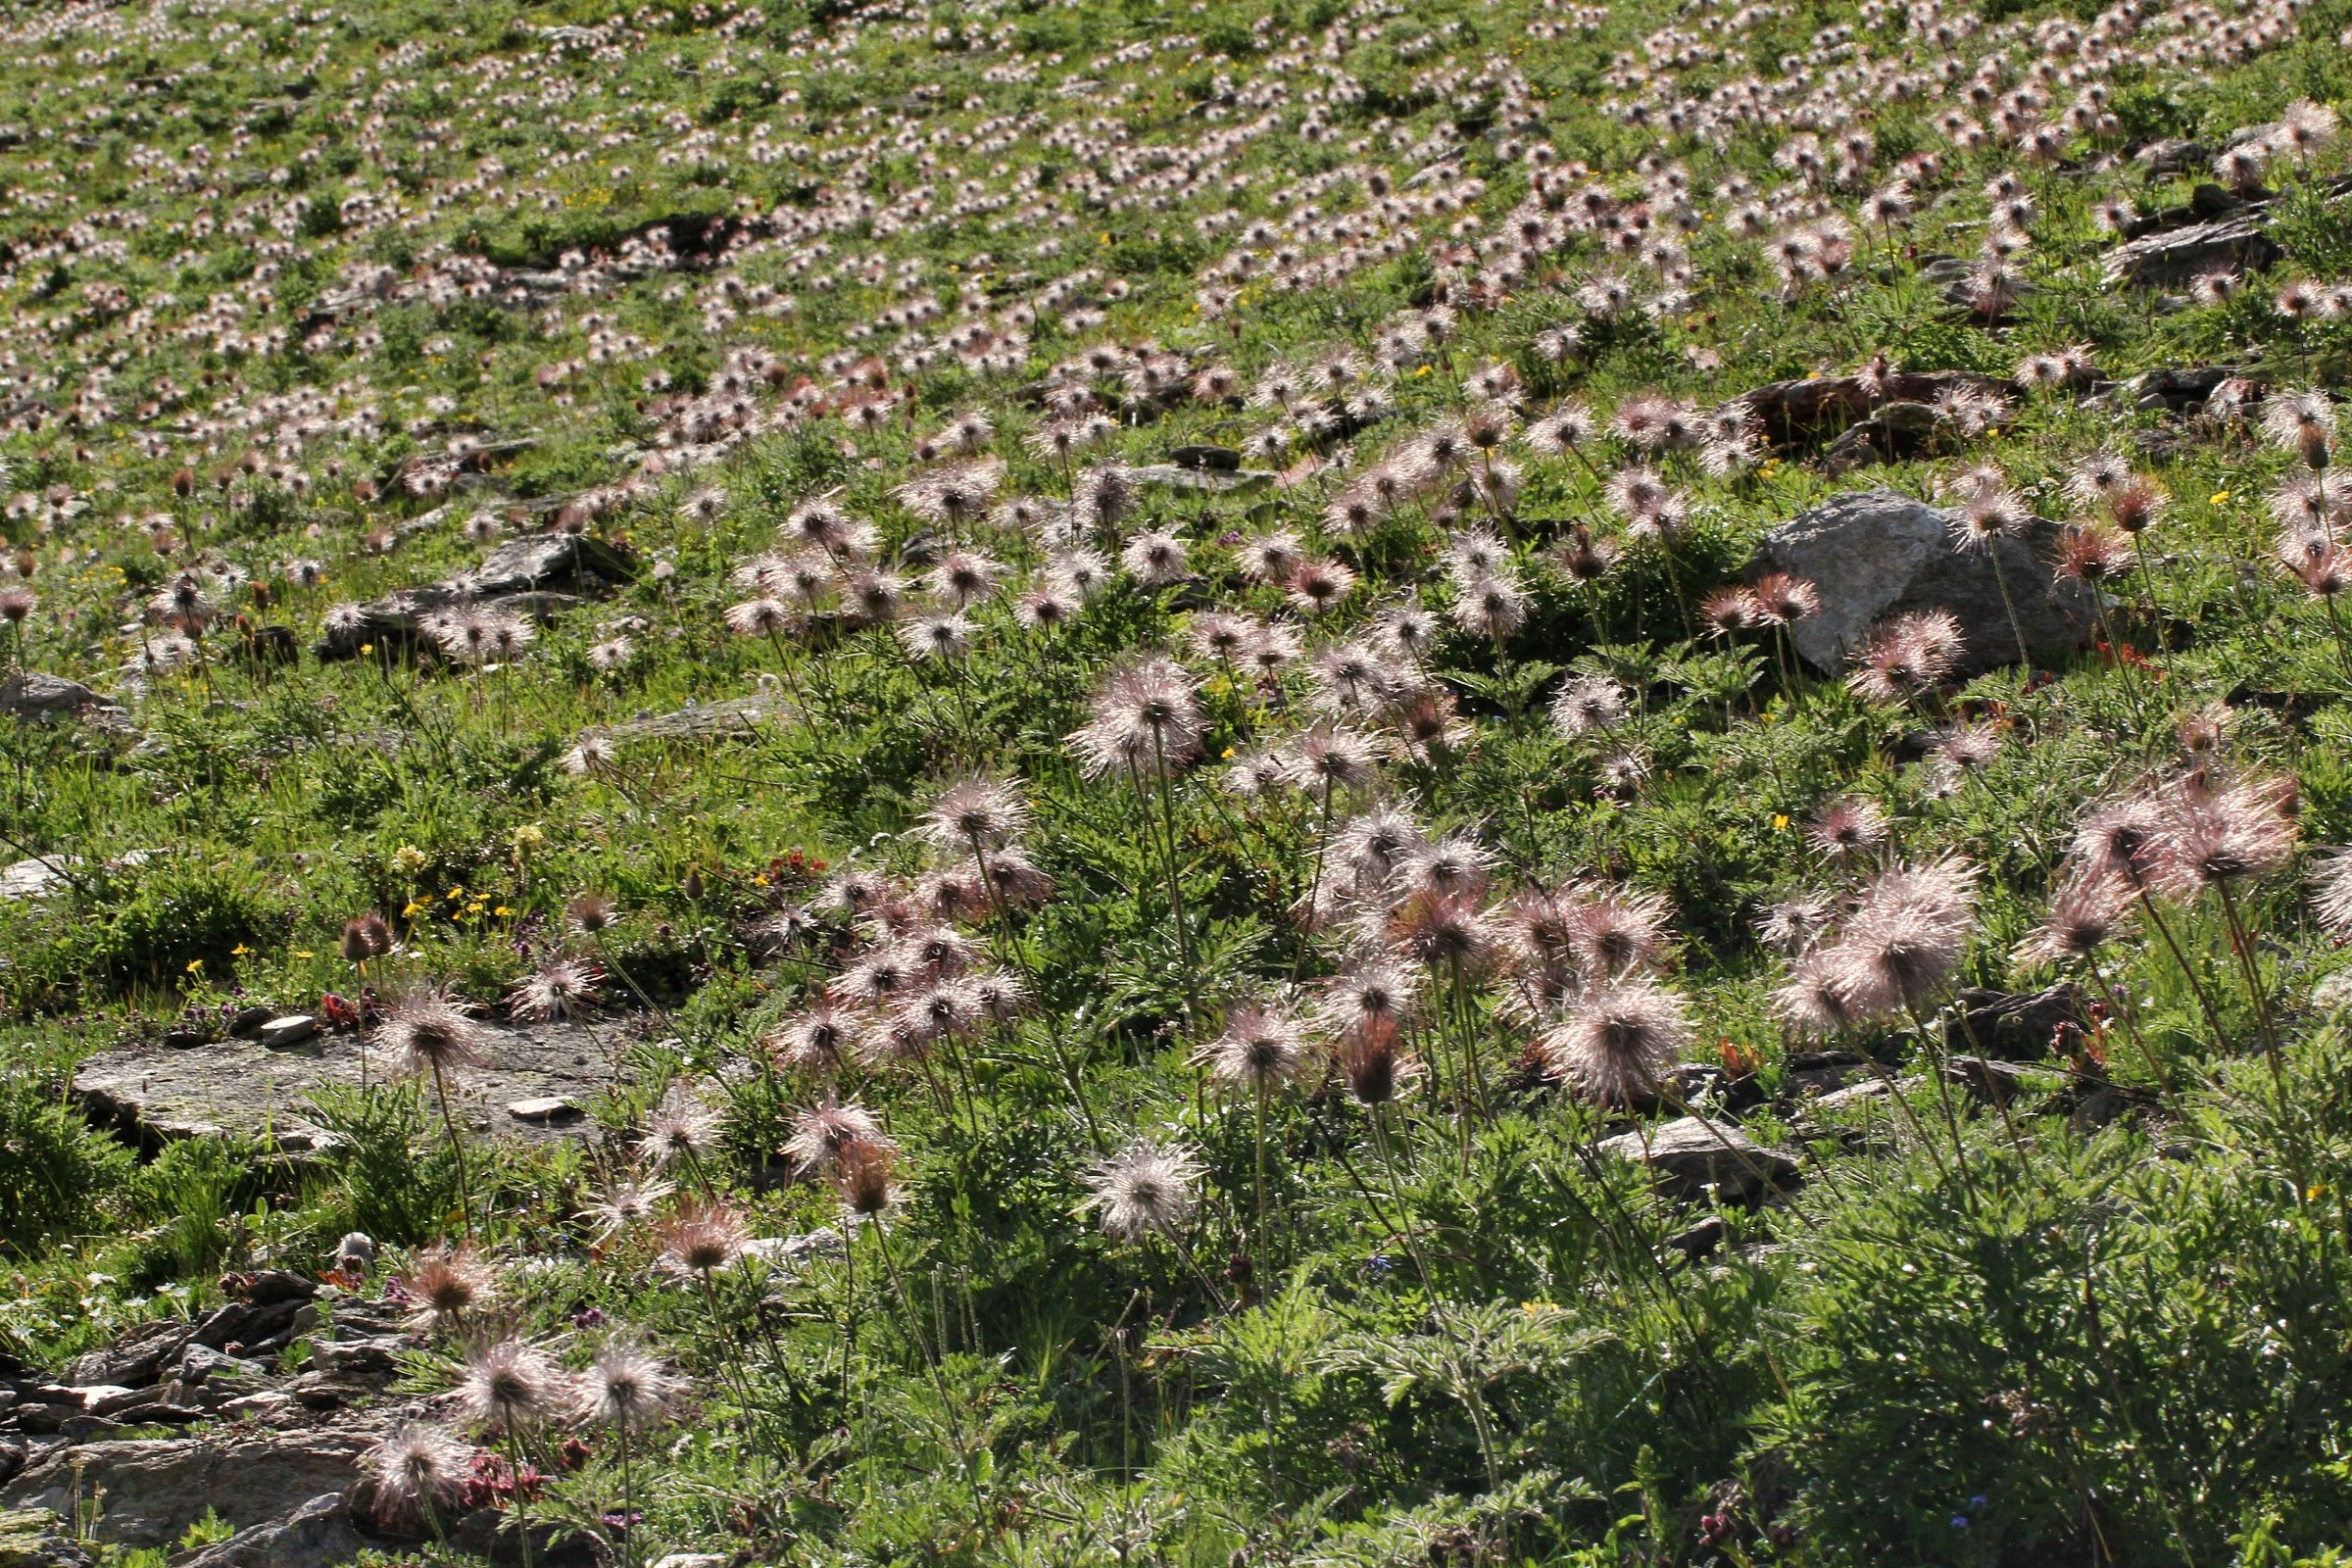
{"x": 1245, "y": 783}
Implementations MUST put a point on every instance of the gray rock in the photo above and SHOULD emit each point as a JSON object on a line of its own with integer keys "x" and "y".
{"x": 1172, "y": 477}
{"x": 37, "y": 878}
{"x": 1898, "y": 432}
{"x": 31, "y": 695}
{"x": 1996, "y": 1083}
{"x": 520, "y": 570}
{"x": 42, "y": 875}
{"x": 734, "y": 715}
{"x": 1692, "y": 1154}
{"x": 2012, "y": 1026}
{"x": 1820, "y": 406}
{"x": 1868, "y": 1091}
{"x": 1876, "y": 553}
{"x": 36, "y": 1537}
{"x": 236, "y": 1324}
{"x": 216, "y": 1370}
{"x": 242, "y": 1086}
{"x": 136, "y": 1358}
{"x": 155, "y": 1487}
{"x": 1820, "y": 1072}
{"x": 778, "y": 1251}
{"x": 316, "y": 1534}
{"x": 1700, "y": 1240}
{"x": 545, "y": 1108}
{"x": 271, "y": 1286}
{"x": 291, "y": 1030}
{"x": 2171, "y": 258}
{"x": 108, "y": 1399}
{"x": 2173, "y": 154}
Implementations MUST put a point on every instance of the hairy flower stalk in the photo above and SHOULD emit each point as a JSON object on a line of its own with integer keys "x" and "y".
{"x": 984, "y": 817}
{"x": 512, "y": 1385}
{"x": 864, "y": 1174}
{"x": 428, "y": 1034}
{"x": 1148, "y": 714}
{"x": 1260, "y": 1051}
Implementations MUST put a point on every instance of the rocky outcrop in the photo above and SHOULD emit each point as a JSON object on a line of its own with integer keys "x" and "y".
{"x": 253, "y": 1090}
{"x": 37, "y": 1538}
{"x": 519, "y": 574}
{"x": 273, "y": 1452}
{"x": 1823, "y": 407}
{"x": 734, "y": 715}
{"x": 154, "y": 1488}
{"x": 2171, "y": 258}
{"x": 1876, "y": 553}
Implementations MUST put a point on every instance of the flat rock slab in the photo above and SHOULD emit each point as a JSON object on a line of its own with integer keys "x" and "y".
{"x": 40, "y": 1538}
{"x": 1175, "y": 476}
{"x": 155, "y": 1487}
{"x": 247, "y": 1088}
{"x": 317, "y": 1534}
{"x": 33, "y": 695}
{"x": 35, "y": 878}
{"x": 1818, "y": 407}
{"x": 2172, "y": 257}
{"x": 517, "y": 575}
{"x": 1692, "y": 1153}
{"x": 1874, "y": 554}
{"x": 291, "y": 1030}
{"x": 734, "y": 715}
{"x": 44, "y": 875}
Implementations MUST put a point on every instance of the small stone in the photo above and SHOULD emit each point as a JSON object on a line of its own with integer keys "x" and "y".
{"x": 1692, "y": 1153}
{"x": 544, "y": 1108}
{"x": 1863, "y": 1093}
{"x": 1700, "y": 1240}
{"x": 777, "y": 1251}
{"x": 290, "y": 1030}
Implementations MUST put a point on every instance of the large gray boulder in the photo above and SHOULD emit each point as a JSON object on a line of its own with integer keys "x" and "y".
{"x": 1877, "y": 552}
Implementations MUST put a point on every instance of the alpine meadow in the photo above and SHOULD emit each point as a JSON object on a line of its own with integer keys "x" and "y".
{"x": 1220, "y": 784}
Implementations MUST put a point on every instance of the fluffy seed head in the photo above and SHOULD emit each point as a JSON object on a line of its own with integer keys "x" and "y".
{"x": 1147, "y": 1189}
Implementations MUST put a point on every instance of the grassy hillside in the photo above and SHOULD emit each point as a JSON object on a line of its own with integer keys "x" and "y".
{"x": 1113, "y": 672}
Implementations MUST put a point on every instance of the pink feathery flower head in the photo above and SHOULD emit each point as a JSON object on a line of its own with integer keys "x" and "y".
{"x": 1622, "y": 1040}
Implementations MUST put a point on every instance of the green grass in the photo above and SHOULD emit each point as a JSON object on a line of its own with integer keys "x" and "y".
{"x": 2108, "y": 1325}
